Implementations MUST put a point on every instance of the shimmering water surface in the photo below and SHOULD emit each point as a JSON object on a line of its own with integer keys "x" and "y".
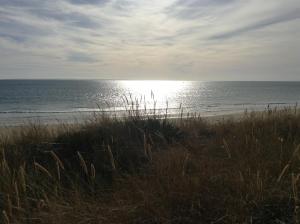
{"x": 67, "y": 100}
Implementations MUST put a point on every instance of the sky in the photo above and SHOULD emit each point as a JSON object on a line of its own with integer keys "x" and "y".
{"x": 150, "y": 39}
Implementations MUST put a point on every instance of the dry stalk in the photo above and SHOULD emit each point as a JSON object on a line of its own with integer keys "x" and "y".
{"x": 93, "y": 172}
{"x": 43, "y": 169}
{"x": 5, "y": 217}
{"x": 227, "y": 148}
{"x": 111, "y": 157}
{"x": 17, "y": 194}
{"x": 56, "y": 158}
{"x": 83, "y": 163}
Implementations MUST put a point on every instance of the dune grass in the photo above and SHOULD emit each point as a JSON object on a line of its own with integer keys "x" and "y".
{"x": 149, "y": 170}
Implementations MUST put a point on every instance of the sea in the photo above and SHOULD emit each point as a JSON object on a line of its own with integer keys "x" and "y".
{"x": 64, "y": 101}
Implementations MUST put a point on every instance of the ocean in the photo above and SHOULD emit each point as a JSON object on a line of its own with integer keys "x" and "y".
{"x": 51, "y": 101}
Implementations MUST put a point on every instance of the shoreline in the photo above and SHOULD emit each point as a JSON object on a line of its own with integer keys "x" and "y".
{"x": 210, "y": 117}
{"x": 54, "y": 118}
{"x": 86, "y": 118}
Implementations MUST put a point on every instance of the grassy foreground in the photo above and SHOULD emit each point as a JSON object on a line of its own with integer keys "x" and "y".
{"x": 148, "y": 170}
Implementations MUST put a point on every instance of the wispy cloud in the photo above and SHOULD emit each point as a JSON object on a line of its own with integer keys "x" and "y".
{"x": 85, "y": 2}
{"x": 294, "y": 15}
{"x": 192, "y": 9}
{"x": 133, "y": 37}
{"x": 81, "y": 57}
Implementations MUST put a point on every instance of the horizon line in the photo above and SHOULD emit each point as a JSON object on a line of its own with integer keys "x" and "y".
{"x": 174, "y": 80}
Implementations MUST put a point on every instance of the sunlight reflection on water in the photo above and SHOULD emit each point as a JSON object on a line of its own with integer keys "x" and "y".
{"x": 163, "y": 93}
{"x": 65, "y": 99}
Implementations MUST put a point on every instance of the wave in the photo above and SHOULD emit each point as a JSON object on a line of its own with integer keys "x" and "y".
{"x": 200, "y": 107}
{"x": 45, "y": 112}
{"x": 86, "y": 110}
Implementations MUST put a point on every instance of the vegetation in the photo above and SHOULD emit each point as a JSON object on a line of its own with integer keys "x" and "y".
{"x": 148, "y": 170}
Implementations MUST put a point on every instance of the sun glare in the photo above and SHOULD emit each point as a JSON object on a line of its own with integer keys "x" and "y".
{"x": 159, "y": 92}
{"x": 159, "y": 89}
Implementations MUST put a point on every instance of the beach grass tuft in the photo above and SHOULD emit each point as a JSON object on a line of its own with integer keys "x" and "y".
{"x": 152, "y": 169}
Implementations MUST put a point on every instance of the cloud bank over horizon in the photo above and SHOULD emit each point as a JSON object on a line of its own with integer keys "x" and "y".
{"x": 140, "y": 39}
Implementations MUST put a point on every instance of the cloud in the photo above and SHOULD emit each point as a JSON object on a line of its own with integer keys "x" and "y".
{"x": 192, "y": 9}
{"x": 11, "y": 37}
{"x": 293, "y": 15}
{"x": 89, "y": 2}
{"x": 20, "y": 32}
{"x": 225, "y": 19}
{"x": 21, "y": 3}
{"x": 81, "y": 57}
{"x": 199, "y": 4}
{"x": 67, "y": 18}
{"x": 135, "y": 37}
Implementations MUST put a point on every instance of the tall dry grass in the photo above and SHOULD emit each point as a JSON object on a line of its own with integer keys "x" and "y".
{"x": 144, "y": 169}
